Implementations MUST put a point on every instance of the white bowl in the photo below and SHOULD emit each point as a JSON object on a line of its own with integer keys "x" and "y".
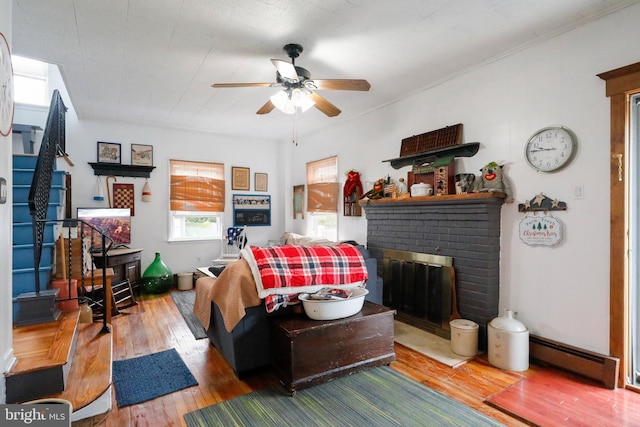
{"x": 333, "y": 309}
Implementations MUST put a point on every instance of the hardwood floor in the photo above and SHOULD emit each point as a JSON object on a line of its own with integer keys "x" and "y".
{"x": 155, "y": 325}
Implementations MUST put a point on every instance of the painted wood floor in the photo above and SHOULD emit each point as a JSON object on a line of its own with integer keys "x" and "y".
{"x": 155, "y": 325}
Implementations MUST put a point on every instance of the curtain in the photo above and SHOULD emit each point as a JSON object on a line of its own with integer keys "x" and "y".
{"x": 196, "y": 186}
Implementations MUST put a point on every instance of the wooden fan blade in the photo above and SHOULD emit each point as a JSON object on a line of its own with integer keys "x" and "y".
{"x": 342, "y": 84}
{"x": 325, "y": 106}
{"x": 242, "y": 85}
{"x": 286, "y": 70}
{"x": 266, "y": 108}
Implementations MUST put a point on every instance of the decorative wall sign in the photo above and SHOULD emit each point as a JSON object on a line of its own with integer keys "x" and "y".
{"x": 141, "y": 155}
{"x": 251, "y": 210}
{"x": 542, "y": 203}
{"x": 540, "y": 230}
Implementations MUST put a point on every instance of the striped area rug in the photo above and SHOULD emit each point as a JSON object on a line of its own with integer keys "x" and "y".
{"x": 376, "y": 397}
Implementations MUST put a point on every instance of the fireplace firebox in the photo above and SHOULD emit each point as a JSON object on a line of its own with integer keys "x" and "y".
{"x": 419, "y": 287}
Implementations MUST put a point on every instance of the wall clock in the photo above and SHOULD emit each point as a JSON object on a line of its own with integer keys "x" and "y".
{"x": 551, "y": 148}
{"x": 6, "y": 88}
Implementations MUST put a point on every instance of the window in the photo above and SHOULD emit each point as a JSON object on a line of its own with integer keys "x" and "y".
{"x": 196, "y": 200}
{"x": 322, "y": 197}
{"x": 30, "y": 81}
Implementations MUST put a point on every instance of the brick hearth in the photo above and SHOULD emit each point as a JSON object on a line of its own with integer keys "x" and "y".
{"x": 465, "y": 227}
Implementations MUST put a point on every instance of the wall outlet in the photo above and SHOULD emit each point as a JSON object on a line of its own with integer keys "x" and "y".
{"x": 578, "y": 192}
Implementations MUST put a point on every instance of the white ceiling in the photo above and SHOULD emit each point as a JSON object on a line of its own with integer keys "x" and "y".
{"x": 152, "y": 62}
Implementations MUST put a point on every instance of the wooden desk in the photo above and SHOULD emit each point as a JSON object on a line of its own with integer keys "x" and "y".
{"x": 125, "y": 263}
{"x": 307, "y": 352}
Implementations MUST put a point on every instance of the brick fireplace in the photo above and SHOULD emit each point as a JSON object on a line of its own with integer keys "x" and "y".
{"x": 465, "y": 227}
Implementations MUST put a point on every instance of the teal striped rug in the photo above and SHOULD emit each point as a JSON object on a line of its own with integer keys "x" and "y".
{"x": 376, "y": 397}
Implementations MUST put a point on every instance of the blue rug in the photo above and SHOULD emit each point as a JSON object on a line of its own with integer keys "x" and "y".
{"x": 144, "y": 378}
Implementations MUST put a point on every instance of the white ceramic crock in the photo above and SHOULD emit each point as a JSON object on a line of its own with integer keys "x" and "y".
{"x": 421, "y": 189}
{"x": 508, "y": 344}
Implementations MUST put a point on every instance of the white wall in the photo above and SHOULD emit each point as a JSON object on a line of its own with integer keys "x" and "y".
{"x": 6, "y": 316}
{"x": 149, "y": 228}
{"x": 560, "y": 292}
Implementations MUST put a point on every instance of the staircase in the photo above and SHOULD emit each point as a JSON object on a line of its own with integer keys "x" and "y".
{"x": 62, "y": 359}
{"x": 23, "y": 264}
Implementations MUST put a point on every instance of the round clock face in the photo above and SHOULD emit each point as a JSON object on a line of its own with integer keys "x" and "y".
{"x": 6, "y": 88}
{"x": 550, "y": 149}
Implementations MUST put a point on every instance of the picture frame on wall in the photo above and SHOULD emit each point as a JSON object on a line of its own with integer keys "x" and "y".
{"x": 298, "y": 200}
{"x": 141, "y": 155}
{"x": 251, "y": 210}
{"x": 261, "y": 181}
{"x": 240, "y": 178}
{"x": 109, "y": 152}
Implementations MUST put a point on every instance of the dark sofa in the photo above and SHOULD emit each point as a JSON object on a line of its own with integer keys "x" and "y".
{"x": 247, "y": 346}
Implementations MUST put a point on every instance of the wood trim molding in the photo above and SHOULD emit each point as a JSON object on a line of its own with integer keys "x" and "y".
{"x": 621, "y": 83}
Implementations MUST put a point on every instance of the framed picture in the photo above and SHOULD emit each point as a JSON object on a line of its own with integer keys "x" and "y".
{"x": 261, "y": 181}
{"x": 298, "y": 201}
{"x": 240, "y": 178}
{"x": 251, "y": 210}
{"x": 109, "y": 152}
{"x": 141, "y": 155}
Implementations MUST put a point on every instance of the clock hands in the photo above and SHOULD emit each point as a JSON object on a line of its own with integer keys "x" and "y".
{"x": 543, "y": 149}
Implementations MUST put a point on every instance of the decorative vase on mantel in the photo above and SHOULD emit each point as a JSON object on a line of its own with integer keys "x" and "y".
{"x": 157, "y": 278}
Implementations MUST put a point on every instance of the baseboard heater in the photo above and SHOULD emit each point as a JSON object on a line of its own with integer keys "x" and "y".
{"x": 583, "y": 362}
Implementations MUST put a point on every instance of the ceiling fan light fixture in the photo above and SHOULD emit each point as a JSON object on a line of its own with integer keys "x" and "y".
{"x": 280, "y": 100}
{"x": 288, "y": 100}
{"x": 301, "y": 99}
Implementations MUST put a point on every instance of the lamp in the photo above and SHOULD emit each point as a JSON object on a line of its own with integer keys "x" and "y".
{"x": 289, "y": 99}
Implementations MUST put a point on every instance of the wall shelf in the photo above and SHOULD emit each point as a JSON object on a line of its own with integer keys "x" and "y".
{"x": 461, "y": 150}
{"x": 122, "y": 170}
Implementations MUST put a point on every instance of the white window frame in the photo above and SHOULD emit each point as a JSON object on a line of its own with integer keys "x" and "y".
{"x": 177, "y": 227}
{"x": 29, "y": 75}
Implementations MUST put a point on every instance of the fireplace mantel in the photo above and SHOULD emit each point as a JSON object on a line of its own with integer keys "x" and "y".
{"x": 467, "y": 198}
{"x": 465, "y": 227}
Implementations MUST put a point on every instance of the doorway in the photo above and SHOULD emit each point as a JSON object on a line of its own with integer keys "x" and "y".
{"x": 622, "y": 84}
{"x": 634, "y": 238}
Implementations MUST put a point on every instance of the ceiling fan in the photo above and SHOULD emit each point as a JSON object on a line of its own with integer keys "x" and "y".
{"x": 299, "y": 89}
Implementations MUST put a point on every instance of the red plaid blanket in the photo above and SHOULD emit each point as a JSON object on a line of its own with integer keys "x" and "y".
{"x": 290, "y": 269}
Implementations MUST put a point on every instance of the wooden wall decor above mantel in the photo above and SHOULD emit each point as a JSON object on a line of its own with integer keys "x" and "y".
{"x": 542, "y": 203}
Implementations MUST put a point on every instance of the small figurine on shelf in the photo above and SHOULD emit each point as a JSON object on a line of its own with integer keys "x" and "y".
{"x": 492, "y": 179}
{"x": 377, "y": 192}
{"x": 401, "y": 187}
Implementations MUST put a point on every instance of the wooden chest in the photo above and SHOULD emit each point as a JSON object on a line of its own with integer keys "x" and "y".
{"x": 307, "y": 352}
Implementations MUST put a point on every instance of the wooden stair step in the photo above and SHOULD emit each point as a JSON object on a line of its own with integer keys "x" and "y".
{"x": 43, "y": 353}
{"x": 90, "y": 375}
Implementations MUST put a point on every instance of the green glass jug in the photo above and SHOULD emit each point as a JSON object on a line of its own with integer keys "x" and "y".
{"x": 157, "y": 278}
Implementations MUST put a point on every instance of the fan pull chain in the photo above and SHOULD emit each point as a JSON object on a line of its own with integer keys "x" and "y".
{"x": 295, "y": 128}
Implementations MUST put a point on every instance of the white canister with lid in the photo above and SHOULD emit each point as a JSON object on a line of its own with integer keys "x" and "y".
{"x": 421, "y": 189}
{"x": 508, "y": 343}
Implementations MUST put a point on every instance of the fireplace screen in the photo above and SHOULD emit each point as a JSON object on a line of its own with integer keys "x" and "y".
{"x": 419, "y": 287}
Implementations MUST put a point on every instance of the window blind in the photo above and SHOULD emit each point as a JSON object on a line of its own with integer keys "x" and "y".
{"x": 322, "y": 185}
{"x": 196, "y": 186}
